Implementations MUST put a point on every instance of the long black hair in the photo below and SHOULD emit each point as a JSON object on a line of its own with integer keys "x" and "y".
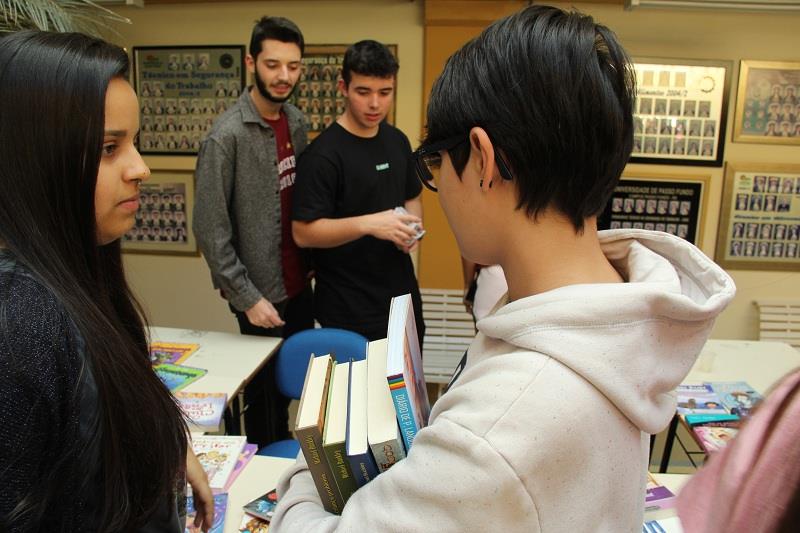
{"x": 52, "y": 104}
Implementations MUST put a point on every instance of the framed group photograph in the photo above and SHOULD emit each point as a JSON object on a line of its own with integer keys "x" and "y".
{"x": 759, "y": 225}
{"x": 659, "y": 202}
{"x": 768, "y": 103}
{"x": 680, "y": 111}
{"x": 164, "y": 219}
{"x": 317, "y": 94}
{"x": 182, "y": 90}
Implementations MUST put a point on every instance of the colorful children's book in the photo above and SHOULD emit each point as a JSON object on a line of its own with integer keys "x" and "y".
{"x": 714, "y": 438}
{"x": 218, "y": 454}
{"x": 383, "y": 434}
{"x": 657, "y": 496}
{"x": 220, "y": 508}
{"x": 251, "y": 524}
{"x": 171, "y": 352}
{"x": 203, "y": 410}
{"x": 177, "y": 377}
{"x": 309, "y": 427}
{"x": 248, "y": 452}
{"x": 362, "y": 464}
{"x": 738, "y": 397}
{"x": 698, "y": 399}
{"x": 404, "y": 370}
{"x": 263, "y": 507}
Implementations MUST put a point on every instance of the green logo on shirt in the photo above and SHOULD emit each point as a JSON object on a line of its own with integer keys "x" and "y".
{"x": 382, "y": 166}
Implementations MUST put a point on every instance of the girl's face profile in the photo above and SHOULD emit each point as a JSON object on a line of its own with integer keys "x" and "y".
{"x": 116, "y": 195}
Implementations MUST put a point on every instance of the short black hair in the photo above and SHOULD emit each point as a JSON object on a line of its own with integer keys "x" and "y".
{"x": 369, "y": 58}
{"x": 554, "y": 91}
{"x": 277, "y": 28}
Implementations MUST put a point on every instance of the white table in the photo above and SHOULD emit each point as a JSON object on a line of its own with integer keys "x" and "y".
{"x": 259, "y": 477}
{"x": 759, "y": 363}
{"x": 232, "y": 360}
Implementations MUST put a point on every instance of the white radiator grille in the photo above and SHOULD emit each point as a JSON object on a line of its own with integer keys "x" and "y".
{"x": 779, "y": 320}
{"x": 448, "y": 332}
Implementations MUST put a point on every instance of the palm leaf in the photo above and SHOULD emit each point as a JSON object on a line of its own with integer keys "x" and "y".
{"x": 58, "y": 15}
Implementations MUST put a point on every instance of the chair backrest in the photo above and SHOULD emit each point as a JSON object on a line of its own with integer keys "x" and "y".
{"x": 293, "y": 356}
{"x": 779, "y": 320}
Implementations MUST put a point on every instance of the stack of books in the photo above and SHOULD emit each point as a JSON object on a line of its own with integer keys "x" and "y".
{"x": 713, "y": 410}
{"x": 356, "y": 419}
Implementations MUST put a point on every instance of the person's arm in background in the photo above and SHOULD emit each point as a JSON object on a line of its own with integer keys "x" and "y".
{"x": 331, "y": 232}
{"x": 214, "y": 232}
{"x": 314, "y": 206}
{"x": 201, "y": 491}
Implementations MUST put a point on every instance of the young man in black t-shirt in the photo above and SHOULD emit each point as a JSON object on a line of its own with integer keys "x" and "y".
{"x": 349, "y": 181}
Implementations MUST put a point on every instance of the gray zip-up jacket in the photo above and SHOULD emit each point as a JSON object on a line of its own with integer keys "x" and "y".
{"x": 237, "y": 212}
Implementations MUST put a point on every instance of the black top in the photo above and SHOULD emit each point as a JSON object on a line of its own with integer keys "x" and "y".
{"x": 342, "y": 175}
{"x": 49, "y": 400}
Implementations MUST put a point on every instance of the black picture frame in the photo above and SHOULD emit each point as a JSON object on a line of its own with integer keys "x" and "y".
{"x": 680, "y": 112}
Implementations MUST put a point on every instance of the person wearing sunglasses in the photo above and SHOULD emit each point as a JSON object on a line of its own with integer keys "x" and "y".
{"x": 546, "y": 424}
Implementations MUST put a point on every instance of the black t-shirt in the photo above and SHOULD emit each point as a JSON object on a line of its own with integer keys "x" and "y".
{"x": 342, "y": 175}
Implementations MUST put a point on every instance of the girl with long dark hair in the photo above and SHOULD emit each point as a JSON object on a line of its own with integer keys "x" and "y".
{"x": 90, "y": 439}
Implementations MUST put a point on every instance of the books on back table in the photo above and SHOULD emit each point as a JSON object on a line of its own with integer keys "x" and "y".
{"x": 171, "y": 352}
{"x": 218, "y": 454}
{"x": 203, "y": 410}
{"x": 404, "y": 371}
{"x": 220, "y": 508}
{"x": 738, "y": 397}
{"x": 176, "y": 377}
{"x": 698, "y": 399}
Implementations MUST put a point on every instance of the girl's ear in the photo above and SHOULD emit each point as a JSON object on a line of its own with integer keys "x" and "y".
{"x": 482, "y": 154}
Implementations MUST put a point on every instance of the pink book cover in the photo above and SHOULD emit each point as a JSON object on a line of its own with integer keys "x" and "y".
{"x": 247, "y": 453}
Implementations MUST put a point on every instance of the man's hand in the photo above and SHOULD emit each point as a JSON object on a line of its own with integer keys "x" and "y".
{"x": 201, "y": 491}
{"x": 264, "y": 314}
{"x": 390, "y": 226}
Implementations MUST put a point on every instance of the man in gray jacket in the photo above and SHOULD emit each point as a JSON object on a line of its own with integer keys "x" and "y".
{"x": 245, "y": 179}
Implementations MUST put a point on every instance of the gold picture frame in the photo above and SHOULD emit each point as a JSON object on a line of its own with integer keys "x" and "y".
{"x": 673, "y": 203}
{"x": 768, "y": 103}
{"x": 164, "y": 219}
{"x": 759, "y": 226}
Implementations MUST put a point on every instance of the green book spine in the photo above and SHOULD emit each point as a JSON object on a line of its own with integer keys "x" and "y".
{"x": 311, "y": 443}
{"x": 337, "y": 459}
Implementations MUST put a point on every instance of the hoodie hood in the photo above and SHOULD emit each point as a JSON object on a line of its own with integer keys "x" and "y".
{"x": 636, "y": 341}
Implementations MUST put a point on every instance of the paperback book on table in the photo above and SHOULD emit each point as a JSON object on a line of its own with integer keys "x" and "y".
{"x": 218, "y": 454}
{"x": 176, "y": 377}
{"x": 203, "y": 410}
{"x": 698, "y": 399}
{"x": 404, "y": 371}
{"x": 173, "y": 353}
{"x": 737, "y": 397}
{"x": 220, "y": 508}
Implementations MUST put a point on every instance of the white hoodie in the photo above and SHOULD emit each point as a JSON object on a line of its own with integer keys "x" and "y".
{"x": 546, "y": 427}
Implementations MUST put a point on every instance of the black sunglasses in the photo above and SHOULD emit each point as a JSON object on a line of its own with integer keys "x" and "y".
{"x": 428, "y": 160}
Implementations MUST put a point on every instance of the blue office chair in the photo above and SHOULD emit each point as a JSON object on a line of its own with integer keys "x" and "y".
{"x": 292, "y": 363}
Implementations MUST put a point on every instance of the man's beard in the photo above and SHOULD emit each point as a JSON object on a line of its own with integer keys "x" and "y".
{"x": 262, "y": 88}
